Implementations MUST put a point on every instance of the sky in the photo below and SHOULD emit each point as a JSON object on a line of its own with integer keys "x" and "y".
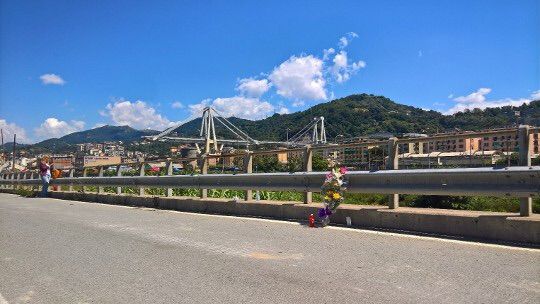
{"x": 67, "y": 66}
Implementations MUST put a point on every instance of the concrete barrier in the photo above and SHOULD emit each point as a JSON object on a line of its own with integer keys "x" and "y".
{"x": 478, "y": 225}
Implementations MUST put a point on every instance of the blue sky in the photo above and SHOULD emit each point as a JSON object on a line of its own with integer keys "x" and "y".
{"x": 73, "y": 65}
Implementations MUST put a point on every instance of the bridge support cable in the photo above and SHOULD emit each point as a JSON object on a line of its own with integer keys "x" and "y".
{"x": 246, "y": 136}
{"x": 318, "y": 135}
{"x": 296, "y": 137}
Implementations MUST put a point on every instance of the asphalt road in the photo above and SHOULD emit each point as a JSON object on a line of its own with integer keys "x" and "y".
{"x": 54, "y": 251}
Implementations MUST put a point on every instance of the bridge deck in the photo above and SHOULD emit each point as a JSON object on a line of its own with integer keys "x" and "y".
{"x": 59, "y": 251}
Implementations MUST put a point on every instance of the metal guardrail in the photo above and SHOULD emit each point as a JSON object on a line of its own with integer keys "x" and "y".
{"x": 512, "y": 182}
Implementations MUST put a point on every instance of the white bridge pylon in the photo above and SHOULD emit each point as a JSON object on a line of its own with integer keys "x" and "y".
{"x": 211, "y": 142}
{"x": 318, "y": 133}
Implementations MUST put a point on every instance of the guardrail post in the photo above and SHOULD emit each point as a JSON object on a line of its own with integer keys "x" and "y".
{"x": 248, "y": 168}
{"x": 23, "y": 176}
{"x": 308, "y": 167}
{"x": 525, "y": 203}
{"x": 84, "y": 174}
{"x": 100, "y": 189}
{"x": 26, "y": 177}
{"x": 29, "y": 176}
{"x": 169, "y": 167}
{"x": 392, "y": 164}
{"x": 17, "y": 177}
{"x": 141, "y": 173}
{"x": 11, "y": 178}
{"x": 71, "y": 175}
{"x": 204, "y": 170}
{"x": 33, "y": 176}
{"x": 118, "y": 173}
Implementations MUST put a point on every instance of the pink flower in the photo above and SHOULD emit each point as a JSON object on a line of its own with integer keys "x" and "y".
{"x": 343, "y": 170}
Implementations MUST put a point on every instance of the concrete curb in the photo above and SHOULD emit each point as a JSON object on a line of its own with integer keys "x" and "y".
{"x": 491, "y": 226}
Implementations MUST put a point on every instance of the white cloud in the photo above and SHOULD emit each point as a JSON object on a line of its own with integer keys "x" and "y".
{"x": 475, "y": 97}
{"x": 345, "y": 40}
{"x": 478, "y": 100}
{"x": 177, "y": 105}
{"x": 135, "y": 114}
{"x": 298, "y": 103}
{"x": 283, "y": 110}
{"x": 53, "y": 127}
{"x": 300, "y": 78}
{"x": 52, "y": 79}
{"x": 327, "y": 53}
{"x": 252, "y": 87}
{"x": 237, "y": 106}
{"x": 535, "y": 95}
{"x": 342, "y": 70}
{"x": 8, "y": 129}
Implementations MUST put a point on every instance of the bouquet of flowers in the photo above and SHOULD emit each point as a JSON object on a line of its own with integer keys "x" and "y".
{"x": 333, "y": 188}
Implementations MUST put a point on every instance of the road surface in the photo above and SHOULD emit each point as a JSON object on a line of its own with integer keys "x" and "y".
{"x": 55, "y": 251}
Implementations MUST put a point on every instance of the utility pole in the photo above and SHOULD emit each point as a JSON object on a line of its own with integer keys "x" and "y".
{"x": 14, "y": 143}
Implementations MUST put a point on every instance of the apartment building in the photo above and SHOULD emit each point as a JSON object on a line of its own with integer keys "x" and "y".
{"x": 508, "y": 143}
{"x": 452, "y": 145}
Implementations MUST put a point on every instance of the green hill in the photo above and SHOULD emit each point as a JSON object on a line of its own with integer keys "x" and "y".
{"x": 364, "y": 114}
{"x": 102, "y": 134}
{"x": 351, "y": 116}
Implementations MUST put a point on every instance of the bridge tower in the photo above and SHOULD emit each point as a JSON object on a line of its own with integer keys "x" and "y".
{"x": 319, "y": 131}
{"x": 208, "y": 130}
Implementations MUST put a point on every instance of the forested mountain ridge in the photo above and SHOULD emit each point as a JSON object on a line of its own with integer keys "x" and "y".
{"x": 97, "y": 135}
{"x": 351, "y": 116}
{"x": 364, "y": 114}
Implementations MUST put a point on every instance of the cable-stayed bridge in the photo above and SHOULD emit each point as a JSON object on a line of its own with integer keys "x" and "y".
{"x": 207, "y": 134}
